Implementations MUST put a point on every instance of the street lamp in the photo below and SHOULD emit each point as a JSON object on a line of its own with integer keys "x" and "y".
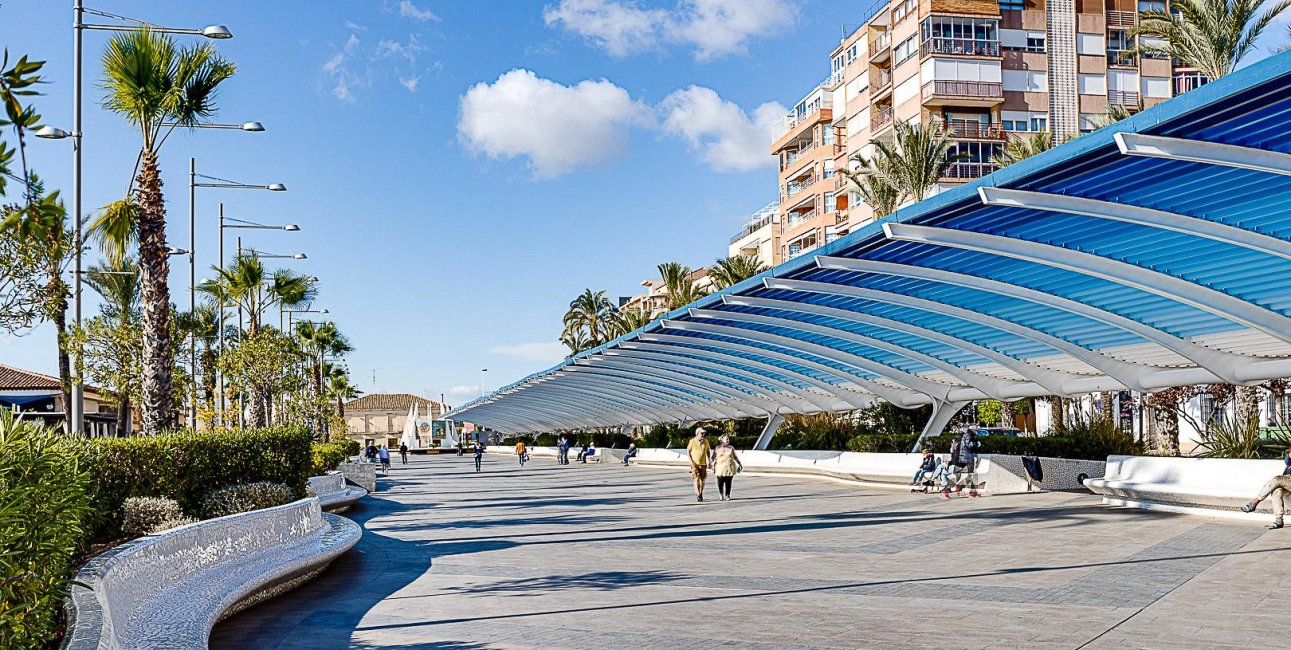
{"x": 217, "y": 32}
{"x": 289, "y": 312}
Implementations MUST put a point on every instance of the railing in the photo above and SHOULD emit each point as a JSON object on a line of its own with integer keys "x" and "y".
{"x": 1123, "y": 97}
{"x": 988, "y": 89}
{"x": 963, "y": 46}
{"x": 840, "y": 181}
{"x": 1124, "y": 58}
{"x": 795, "y": 218}
{"x": 792, "y": 156}
{"x": 881, "y": 119}
{"x": 961, "y": 171}
{"x": 790, "y": 189}
{"x": 767, "y": 215}
{"x": 1183, "y": 82}
{"x": 880, "y": 81}
{"x": 1122, "y": 18}
{"x": 974, "y": 130}
{"x": 880, "y": 44}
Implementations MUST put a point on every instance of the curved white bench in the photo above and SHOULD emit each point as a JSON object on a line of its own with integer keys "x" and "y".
{"x": 333, "y": 494}
{"x": 1210, "y": 486}
{"x": 168, "y": 590}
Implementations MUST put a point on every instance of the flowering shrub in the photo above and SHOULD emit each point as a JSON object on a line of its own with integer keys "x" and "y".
{"x": 327, "y": 456}
{"x": 246, "y": 497}
{"x": 146, "y": 515}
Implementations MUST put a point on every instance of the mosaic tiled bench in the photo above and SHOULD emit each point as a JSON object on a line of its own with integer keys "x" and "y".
{"x": 167, "y": 591}
{"x": 361, "y": 474}
{"x": 1002, "y": 474}
{"x": 1208, "y": 486}
{"x": 334, "y": 495}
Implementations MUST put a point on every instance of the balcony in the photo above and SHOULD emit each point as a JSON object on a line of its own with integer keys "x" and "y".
{"x": 792, "y": 189}
{"x": 880, "y": 82}
{"x": 971, "y": 93}
{"x": 881, "y": 119}
{"x": 965, "y": 171}
{"x": 881, "y": 47}
{"x": 1122, "y": 58}
{"x": 795, "y": 218}
{"x": 973, "y": 130}
{"x": 1122, "y": 18}
{"x": 840, "y": 181}
{"x": 1126, "y": 98}
{"x": 1185, "y": 81}
{"x": 790, "y": 157}
{"x": 767, "y": 215}
{"x": 959, "y": 47}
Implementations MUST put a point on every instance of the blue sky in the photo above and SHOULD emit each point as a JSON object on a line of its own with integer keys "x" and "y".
{"x": 459, "y": 170}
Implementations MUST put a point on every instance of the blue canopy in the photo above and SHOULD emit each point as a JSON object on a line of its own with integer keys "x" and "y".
{"x": 1151, "y": 253}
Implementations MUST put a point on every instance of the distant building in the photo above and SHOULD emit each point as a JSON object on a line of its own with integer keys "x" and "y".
{"x": 380, "y": 417}
{"x": 39, "y": 397}
{"x": 655, "y": 299}
{"x": 760, "y": 236}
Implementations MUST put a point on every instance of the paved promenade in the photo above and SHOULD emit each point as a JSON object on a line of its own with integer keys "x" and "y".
{"x": 590, "y": 556}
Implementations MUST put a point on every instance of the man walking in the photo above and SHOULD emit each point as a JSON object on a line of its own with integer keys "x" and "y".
{"x": 403, "y": 452}
{"x": 699, "y": 450}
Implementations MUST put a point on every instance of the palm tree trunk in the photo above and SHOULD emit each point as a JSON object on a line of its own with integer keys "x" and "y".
{"x": 57, "y": 294}
{"x": 208, "y": 374}
{"x": 154, "y": 267}
{"x": 123, "y": 415}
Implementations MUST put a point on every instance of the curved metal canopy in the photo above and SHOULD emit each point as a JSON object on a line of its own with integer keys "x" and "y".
{"x": 1155, "y": 252}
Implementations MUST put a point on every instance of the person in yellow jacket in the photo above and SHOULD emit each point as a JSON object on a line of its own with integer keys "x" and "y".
{"x": 521, "y": 452}
{"x": 726, "y": 464}
{"x": 698, "y": 450}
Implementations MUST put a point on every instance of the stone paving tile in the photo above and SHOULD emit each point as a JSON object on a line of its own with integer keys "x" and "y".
{"x": 611, "y": 557}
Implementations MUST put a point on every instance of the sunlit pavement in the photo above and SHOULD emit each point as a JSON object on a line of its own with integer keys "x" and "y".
{"x": 603, "y": 556}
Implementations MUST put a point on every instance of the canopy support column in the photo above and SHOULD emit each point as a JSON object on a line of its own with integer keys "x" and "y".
{"x": 942, "y": 412}
{"x": 768, "y": 432}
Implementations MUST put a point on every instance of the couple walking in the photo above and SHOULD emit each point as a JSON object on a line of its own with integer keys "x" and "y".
{"x": 725, "y": 463}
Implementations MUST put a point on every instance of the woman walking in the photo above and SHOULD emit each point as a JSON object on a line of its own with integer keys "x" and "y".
{"x": 726, "y": 464}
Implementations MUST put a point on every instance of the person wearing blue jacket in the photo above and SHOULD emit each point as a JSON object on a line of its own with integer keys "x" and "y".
{"x": 1278, "y": 487}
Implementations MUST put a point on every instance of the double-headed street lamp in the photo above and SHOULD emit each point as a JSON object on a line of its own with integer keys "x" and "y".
{"x": 75, "y": 423}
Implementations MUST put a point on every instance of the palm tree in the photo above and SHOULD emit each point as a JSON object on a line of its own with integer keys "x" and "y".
{"x": 1021, "y": 148}
{"x": 589, "y": 314}
{"x": 152, "y": 83}
{"x": 917, "y": 161}
{"x": 1115, "y": 113}
{"x": 118, "y": 283}
{"x": 1212, "y": 36}
{"x": 202, "y": 326}
{"x": 735, "y": 269}
{"x": 623, "y": 321}
{"x": 341, "y": 388}
{"x": 873, "y": 179}
{"x": 679, "y": 285}
{"x": 576, "y": 340}
{"x": 248, "y": 285}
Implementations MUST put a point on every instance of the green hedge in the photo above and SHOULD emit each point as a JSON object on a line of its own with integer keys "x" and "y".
{"x": 327, "y": 456}
{"x": 186, "y": 466}
{"x": 43, "y": 504}
{"x": 1073, "y": 447}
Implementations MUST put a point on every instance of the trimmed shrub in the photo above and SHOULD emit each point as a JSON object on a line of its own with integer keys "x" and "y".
{"x": 327, "y": 456}
{"x": 881, "y": 444}
{"x": 145, "y": 515}
{"x": 187, "y": 466}
{"x": 234, "y": 499}
{"x": 43, "y": 504}
{"x": 350, "y": 447}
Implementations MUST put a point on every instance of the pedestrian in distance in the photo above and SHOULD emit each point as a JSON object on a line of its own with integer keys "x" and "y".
{"x": 403, "y": 452}
{"x": 698, "y": 450}
{"x": 460, "y": 449}
{"x": 726, "y": 464}
{"x": 968, "y": 446}
{"x": 562, "y": 451}
{"x": 370, "y": 453}
{"x": 582, "y": 452}
{"x": 1279, "y": 488}
{"x": 384, "y": 455}
{"x": 927, "y": 466}
{"x": 631, "y": 453}
{"x": 479, "y": 455}
{"x": 521, "y": 452}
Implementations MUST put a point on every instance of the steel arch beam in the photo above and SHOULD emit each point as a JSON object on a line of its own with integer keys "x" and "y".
{"x": 703, "y": 401}
{"x": 655, "y": 408}
{"x": 673, "y": 366}
{"x": 1211, "y": 153}
{"x": 681, "y": 407}
{"x": 1050, "y": 379}
{"x": 1197, "y": 227}
{"x": 1225, "y": 365}
{"x": 857, "y": 401}
{"x": 1214, "y": 302}
{"x": 1127, "y": 374}
{"x": 765, "y": 403}
{"x": 820, "y": 401}
{"x": 918, "y": 384}
{"x": 996, "y": 388}
{"x": 579, "y": 410}
{"x": 610, "y": 402}
{"x": 898, "y": 396}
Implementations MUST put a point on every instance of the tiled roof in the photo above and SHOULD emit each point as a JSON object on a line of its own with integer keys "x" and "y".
{"x": 393, "y": 402}
{"x": 18, "y": 379}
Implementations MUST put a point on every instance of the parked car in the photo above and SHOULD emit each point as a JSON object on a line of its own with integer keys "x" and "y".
{"x": 998, "y": 431}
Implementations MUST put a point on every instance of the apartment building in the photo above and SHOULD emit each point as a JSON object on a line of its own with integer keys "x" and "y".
{"x": 655, "y": 300}
{"x": 760, "y": 236}
{"x": 984, "y": 70}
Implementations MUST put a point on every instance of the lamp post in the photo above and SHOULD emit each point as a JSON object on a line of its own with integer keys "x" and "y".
{"x": 217, "y": 32}
{"x": 245, "y": 225}
{"x": 482, "y": 371}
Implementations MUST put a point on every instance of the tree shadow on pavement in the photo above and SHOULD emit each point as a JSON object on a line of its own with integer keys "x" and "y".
{"x": 598, "y": 580}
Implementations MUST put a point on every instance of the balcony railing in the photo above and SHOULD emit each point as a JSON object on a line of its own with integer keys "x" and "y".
{"x": 792, "y": 156}
{"x": 880, "y": 81}
{"x": 981, "y": 89}
{"x": 1123, "y": 98}
{"x": 881, "y": 119}
{"x": 840, "y": 181}
{"x": 962, "y": 171}
{"x": 769, "y": 214}
{"x": 974, "y": 130}
{"x": 881, "y": 44}
{"x": 792, "y": 189}
{"x": 1123, "y": 58}
{"x": 795, "y": 218}
{"x": 962, "y": 46}
{"x": 1122, "y": 18}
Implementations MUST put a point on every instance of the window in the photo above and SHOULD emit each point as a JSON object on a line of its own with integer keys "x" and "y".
{"x": 953, "y": 35}
{"x": 903, "y": 9}
{"x": 1020, "y": 40}
{"x": 1151, "y": 5}
{"x": 1039, "y": 124}
{"x": 1206, "y": 404}
{"x": 1033, "y": 81}
{"x": 1012, "y": 5}
{"x": 904, "y": 50}
{"x": 1035, "y": 42}
{"x": 837, "y": 63}
{"x": 831, "y": 201}
{"x": 851, "y": 53}
{"x": 1090, "y": 44}
{"x": 1091, "y": 84}
{"x": 829, "y": 169}
{"x": 827, "y": 135}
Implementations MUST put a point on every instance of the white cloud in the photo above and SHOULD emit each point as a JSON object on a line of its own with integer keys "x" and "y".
{"x": 410, "y": 82}
{"x": 458, "y": 395}
{"x": 620, "y": 28}
{"x": 340, "y": 77}
{"x": 547, "y": 352}
{"x": 409, "y": 10}
{"x": 557, "y": 128}
{"x": 387, "y": 48}
{"x": 713, "y": 28}
{"x": 726, "y": 138}
{"x": 355, "y": 27}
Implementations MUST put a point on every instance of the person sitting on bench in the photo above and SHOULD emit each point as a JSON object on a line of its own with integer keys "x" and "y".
{"x": 925, "y": 471}
{"x": 1278, "y": 487}
{"x": 632, "y": 453}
